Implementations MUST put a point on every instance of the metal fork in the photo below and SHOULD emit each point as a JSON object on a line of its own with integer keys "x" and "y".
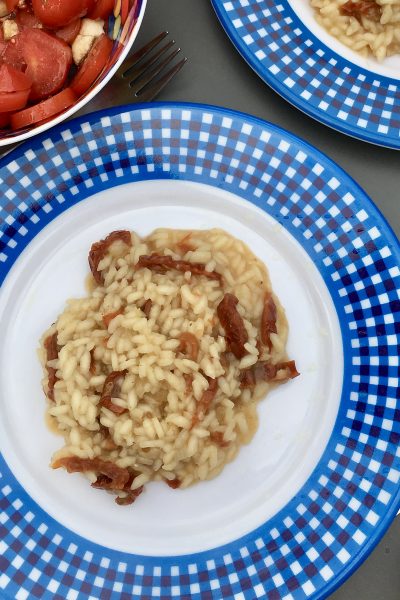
{"x": 141, "y": 69}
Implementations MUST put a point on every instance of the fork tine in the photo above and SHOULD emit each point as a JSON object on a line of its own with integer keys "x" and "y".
{"x": 152, "y": 91}
{"x": 141, "y": 53}
{"x": 144, "y": 65}
{"x": 139, "y": 84}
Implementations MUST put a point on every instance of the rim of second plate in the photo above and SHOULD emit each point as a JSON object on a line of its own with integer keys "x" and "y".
{"x": 391, "y": 238}
{"x": 286, "y": 92}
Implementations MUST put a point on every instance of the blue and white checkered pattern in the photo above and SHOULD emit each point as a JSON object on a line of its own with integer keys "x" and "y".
{"x": 320, "y": 536}
{"x": 309, "y": 74}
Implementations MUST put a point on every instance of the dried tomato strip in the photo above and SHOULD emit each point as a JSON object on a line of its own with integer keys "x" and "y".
{"x": 218, "y": 438}
{"x": 98, "y": 251}
{"x": 265, "y": 371}
{"x": 233, "y": 325}
{"x": 189, "y": 345}
{"x": 110, "y": 316}
{"x": 173, "y": 483}
{"x": 361, "y": 8}
{"x": 268, "y": 321}
{"x": 111, "y": 476}
{"x": 51, "y": 347}
{"x": 111, "y": 389}
{"x": 146, "y": 308}
{"x": 161, "y": 264}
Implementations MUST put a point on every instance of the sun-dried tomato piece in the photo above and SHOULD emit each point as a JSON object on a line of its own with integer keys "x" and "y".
{"x": 173, "y": 483}
{"x": 161, "y": 264}
{"x": 92, "y": 366}
{"x": 361, "y": 8}
{"x": 111, "y": 476}
{"x": 205, "y": 401}
{"x": 266, "y": 371}
{"x": 130, "y": 497}
{"x": 146, "y": 308}
{"x": 233, "y": 325}
{"x": 110, "y": 316}
{"x": 111, "y": 389}
{"x": 218, "y": 438}
{"x": 188, "y": 377}
{"x": 268, "y": 321}
{"x": 98, "y": 251}
{"x": 103, "y": 483}
{"x": 51, "y": 347}
{"x": 247, "y": 379}
{"x": 189, "y": 345}
{"x": 184, "y": 245}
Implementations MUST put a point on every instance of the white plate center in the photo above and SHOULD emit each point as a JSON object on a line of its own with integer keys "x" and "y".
{"x": 296, "y": 420}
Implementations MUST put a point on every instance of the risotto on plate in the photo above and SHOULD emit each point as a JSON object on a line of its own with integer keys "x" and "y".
{"x": 156, "y": 373}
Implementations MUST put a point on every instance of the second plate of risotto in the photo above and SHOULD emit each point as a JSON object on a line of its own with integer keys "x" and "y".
{"x": 198, "y": 362}
{"x": 336, "y": 60}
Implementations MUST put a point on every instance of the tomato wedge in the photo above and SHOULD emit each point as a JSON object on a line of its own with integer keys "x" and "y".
{"x": 10, "y": 101}
{"x": 15, "y": 87}
{"x": 44, "y": 110}
{"x": 59, "y": 13}
{"x": 12, "y": 80}
{"x": 69, "y": 32}
{"x": 4, "y": 120}
{"x": 11, "y": 4}
{"x": 27, "y": 20}
{"x": 92, "y": 65}
{"x": 102, "y": 9}
{"x": 48, "y": 60}
{"x": 13, "y": 54}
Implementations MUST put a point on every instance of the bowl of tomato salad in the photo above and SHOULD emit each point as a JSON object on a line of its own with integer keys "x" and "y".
{"x": 56, "y": 55}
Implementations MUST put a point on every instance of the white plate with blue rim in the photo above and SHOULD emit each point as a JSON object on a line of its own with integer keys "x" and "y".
{"x": 307, "y": 500}
{"x": 314, "y": 71}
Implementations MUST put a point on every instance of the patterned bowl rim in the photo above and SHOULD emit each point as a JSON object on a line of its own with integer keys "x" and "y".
{"x": 390, "y": 238}
{"x": 291, "y": 95}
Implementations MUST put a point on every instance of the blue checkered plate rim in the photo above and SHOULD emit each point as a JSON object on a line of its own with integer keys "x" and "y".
{"x": 319, "y": 76}
{"x": 320, "y": 536}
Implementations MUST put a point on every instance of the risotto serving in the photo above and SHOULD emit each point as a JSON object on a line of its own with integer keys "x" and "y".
{"x": 156, "y": 373}
{"x": 366, "y": 26}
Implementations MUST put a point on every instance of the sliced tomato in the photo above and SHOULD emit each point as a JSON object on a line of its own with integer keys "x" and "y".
{"x": 102, "y": 9}
{"x": 69, "y": 32}
{"x": 48, "y": 60}
{"x": 10, "y": 101}
{"x": 44, "y": 110}
{"x": 4, "y": 120}
{"x": 11, "y": 4}
{"x": 13, "y": 54}
{"x": 12, "y": 80}
{"x": 26, "y": 19}
{"x": 93, "y": 65}
{"x": 59, "y": 13}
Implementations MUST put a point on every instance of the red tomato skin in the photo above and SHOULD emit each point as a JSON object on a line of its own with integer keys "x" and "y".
{"x": 12, "y": 80}
{"x": 69, "y": 32}
{"x": 11, "y": 101}
{"x": 59, "y": 13}
{"x": 93, "y": 65}
{"x": 4, "y": 120}
{"x": 11, "y": 4}
{"x": 32, "y": 49}
{"x": 44, "y": 110}
{"x": 102, "y": 9}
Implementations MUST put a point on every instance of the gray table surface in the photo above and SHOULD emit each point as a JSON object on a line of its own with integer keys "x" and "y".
{"x": 216, "y": 74}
